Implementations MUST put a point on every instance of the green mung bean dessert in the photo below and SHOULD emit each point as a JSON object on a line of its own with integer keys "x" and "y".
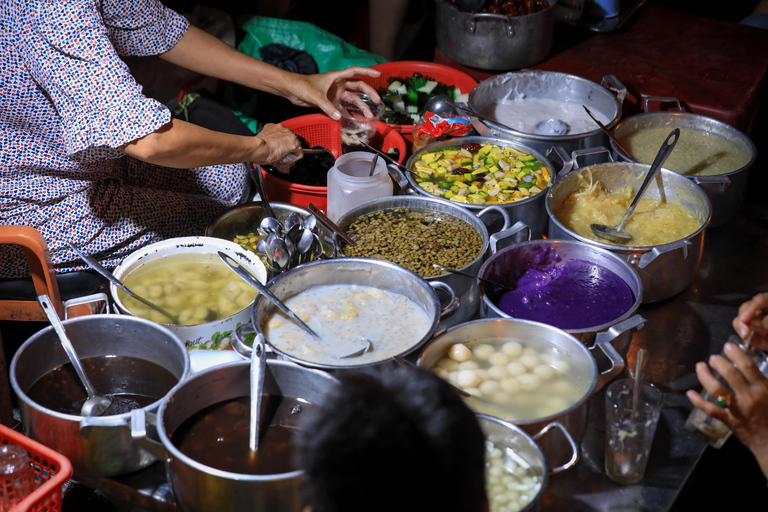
{"x": 415, "y": 240}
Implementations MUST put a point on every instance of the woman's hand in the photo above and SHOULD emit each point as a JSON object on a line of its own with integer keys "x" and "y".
{"x": 751, "y": 317}
{"x": 277, "y": 142}
{"x": 747, "y": 411}
{"x": 323, "y": 89}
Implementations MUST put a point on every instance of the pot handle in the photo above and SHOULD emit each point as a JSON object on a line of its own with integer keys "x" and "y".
{"x": 574, "y": 447}
{"x": 453, "y": 301}
{"x": 507, "y": 233}
{"x": 87, "y": 300}
{"x": 498, "y": 209}
{"x": 621, "y": 90}
{"x": 238, "y": 334}
{"x": 401, "y": 179}
{"x": 723, "y": 181}
{"x": 140, "y": 437}
{"x": 647, "y": 258}
{"x": 480, "y": 16}
{"x": 599, "y": 150}
{"x": 661, "y": 99}
{"x": 568, "y": 162}
{"x": 633, "y": 323}
{"x": 617, "y": 362}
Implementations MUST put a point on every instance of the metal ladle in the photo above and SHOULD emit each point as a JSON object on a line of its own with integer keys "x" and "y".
{"x": 439, "y": 103}
{"x": 608, "y": 132}
{"x": 258, "y": 369}
{"x": 617, "y": 234}
{"x": 95, "y": 265}
{"x": 96, "y": 404}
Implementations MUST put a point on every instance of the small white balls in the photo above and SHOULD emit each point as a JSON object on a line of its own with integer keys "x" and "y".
{"x": 489, "y": 387}
{"x": 529, "y": 381}
{"x": 560, "y": 365}
{"x": 468, "y": 379}
{"x": 529, "y": 361}
{"x": 483, "y": 351}
{"x": 510, "y": 385}
{"x": 512, "y": 348}
{"x": 544, "y": 372}
{"x": 498, "y": 359}
{"x": 459, "y": 352}
{"x": 467, "y": 365}
{"x": 448, "y": 364}
{"x": 497, "y": 372}
{"x": 528, "y": 351}
{"x": 516, "y": 368}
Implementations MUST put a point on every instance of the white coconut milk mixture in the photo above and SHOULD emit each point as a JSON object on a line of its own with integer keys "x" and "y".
{"x": 523, "y": 114}
{"x": 344, "y": 316}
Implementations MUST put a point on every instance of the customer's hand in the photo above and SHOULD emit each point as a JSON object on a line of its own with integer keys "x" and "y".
{"x": 747, "y": 413}
{"x": 752, "y": 317}
{"x": 276, "y": 142}
{"x": 323, "y": 89}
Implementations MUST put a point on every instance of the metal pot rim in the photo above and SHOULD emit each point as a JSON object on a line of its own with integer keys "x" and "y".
{"x": 198, "y": 466}
{"x": 117, "y": 419}
{"x": 416, "y": 278}
{"x": 604, "y": 252}
{"x": 252, "y": 205}
{"x": 478, "y": 139}
{"x": 577, "y": 346}
{"x": 629, "y": 249}
{"x": 491, "y": 16}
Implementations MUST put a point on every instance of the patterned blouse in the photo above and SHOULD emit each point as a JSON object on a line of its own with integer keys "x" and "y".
{"x": 67, "y": 105}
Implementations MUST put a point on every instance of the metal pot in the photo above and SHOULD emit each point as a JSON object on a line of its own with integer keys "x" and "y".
{"x": 361, "y": 271}
{"x": 210, "y": 335}
{"x": 617, "y": 332}
{"x": 573, "y": 419}
{"x": 530, "y": 211}
{"x": 100, "y": 446}
{"x": 494, "y": 41}
{"x": 665, "y": 270}
{"x": 552, "y": 85}
{"x": 201, "y": 488}
{"x": 466, "y": 289}
{"x": 726, "y": 191}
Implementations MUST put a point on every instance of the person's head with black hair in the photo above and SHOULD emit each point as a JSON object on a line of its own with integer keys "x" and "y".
{"x": 394, "y": 440}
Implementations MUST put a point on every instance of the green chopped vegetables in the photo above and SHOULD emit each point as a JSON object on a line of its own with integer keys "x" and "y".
{"x": 405, "y": 97}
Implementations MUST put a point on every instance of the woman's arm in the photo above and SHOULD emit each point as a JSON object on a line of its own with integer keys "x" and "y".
{"x": 203, "y": 53}
{"x": 184, "y": 145}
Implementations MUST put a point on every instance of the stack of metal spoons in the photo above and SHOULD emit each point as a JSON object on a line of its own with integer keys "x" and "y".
{"x": 289, "y": 244}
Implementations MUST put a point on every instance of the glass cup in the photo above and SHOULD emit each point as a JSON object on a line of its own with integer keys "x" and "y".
{"x": 628, "y": 433}
{"x": 359, "y": 118}
{"x": 16, "y": 475}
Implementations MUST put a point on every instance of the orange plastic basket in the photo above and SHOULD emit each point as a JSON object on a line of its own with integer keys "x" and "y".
{"x": 321, "y": 130}
{"x": 50, "y": 470}
{"x": 407, "y": 68}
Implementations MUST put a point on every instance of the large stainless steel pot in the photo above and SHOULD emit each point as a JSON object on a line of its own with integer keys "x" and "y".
{"x": 558, "y": 449}
{"x": 726, "y": 191}
{"x": 530, "y": 211}
{"x": 617, "y": 332}
{"x": 494, "y": 41}
{"x": 100, "y": 446}
{"x": 666, "y": 269}
{"x": 466, "y": 289}
{"x": 201, "y": 488}
{"x": 551, "y": 85}
{"x": 360, "y": 271}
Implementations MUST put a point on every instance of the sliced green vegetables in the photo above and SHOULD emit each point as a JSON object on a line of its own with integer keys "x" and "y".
{"x": 405, "y": 98}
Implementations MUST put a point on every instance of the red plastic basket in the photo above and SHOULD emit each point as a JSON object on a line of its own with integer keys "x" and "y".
{"x": 406, "y": 68}
{"x": 321, "y": 130}
{"x": 50, "y": 469}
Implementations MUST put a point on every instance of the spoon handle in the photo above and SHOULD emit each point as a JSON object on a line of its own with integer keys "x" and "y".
{"x": 664, "y": 151}
{"x": 258, "y": 181}
{"x": 328, "y": 223}
{"x": 251, "y": 279}
{"x": 642, "y": 357}
{"x": 608, "y": 132}
{"x": 467, "y": 274}
{"x": 66, "y": 344}
{"x": 258, "y": 368}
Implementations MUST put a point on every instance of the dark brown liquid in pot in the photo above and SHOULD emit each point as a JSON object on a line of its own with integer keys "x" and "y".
{"x": 131, "y": 382}
{"x": 217, "y": 436}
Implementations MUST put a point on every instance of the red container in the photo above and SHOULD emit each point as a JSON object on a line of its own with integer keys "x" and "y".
{"x": 50, "y": 471}
{"x": 406, "y": 68}
{"x": 321, "y": 130}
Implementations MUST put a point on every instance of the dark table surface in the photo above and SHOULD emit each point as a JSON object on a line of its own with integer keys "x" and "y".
{"x": 678, "y": 333}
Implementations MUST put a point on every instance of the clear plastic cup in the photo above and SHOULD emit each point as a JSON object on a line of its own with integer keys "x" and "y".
{"x": 16, "y": 474}
{"x": 629, "y": 434}
{"x": 359, "y": 119}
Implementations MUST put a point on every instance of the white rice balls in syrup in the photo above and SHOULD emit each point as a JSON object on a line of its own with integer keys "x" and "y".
{"x": 510, "y": 486}
{"x": 525, "y": 380}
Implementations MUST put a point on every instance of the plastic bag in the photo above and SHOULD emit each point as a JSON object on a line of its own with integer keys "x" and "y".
{"x": 432, "y": 127}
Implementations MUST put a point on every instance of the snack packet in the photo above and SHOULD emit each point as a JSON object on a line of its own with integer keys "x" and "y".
{"x": 432, "y": 127}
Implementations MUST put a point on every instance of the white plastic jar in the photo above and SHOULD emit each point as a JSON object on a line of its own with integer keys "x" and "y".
{"x": 350, "y": 185}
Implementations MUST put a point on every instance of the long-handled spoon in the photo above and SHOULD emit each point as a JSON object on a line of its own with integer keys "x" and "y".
{"x": 258, "y": 368}
{"x": 251, "y": 279}
{"x": 95, "y": 265}
{"x": 467, "y": 274}
{"x": 617, "y": 234}
{"x": 259, "y": 183}
{"x": 328, "y": 223}
{"x": 357, "y": 353}
{"x": 642, "y": 356}
{"x": 608, "y": 132}
{"x": 96, "y": 404}
{"x": 373, "y": 164}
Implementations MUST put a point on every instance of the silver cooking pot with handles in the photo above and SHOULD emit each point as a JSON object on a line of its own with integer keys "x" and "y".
{"x": 726, "y": 191}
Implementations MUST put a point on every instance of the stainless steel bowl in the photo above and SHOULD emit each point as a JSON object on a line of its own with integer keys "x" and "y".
{"x": 726, "y": 191}
{"x": 552, "y": 85}
{"x": 665, "y": 270}
{"x": 530, "y": 211}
